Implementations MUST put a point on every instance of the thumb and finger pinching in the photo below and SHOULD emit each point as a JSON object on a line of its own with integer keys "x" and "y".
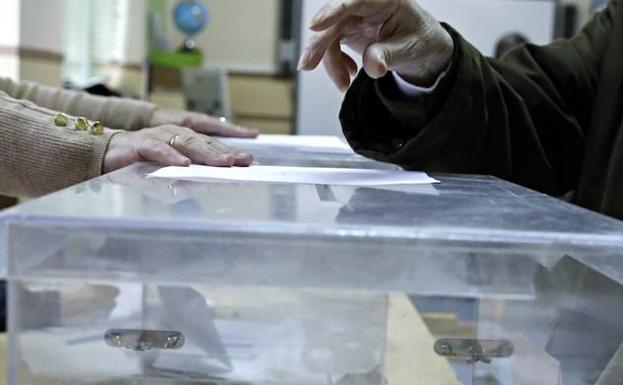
{"x": 376, "y": 60}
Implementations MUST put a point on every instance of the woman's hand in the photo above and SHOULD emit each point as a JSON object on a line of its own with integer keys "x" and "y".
{"x": 201, "y": 123}
{"x": 170, "y": 145}
{"x": 391, "y": 35}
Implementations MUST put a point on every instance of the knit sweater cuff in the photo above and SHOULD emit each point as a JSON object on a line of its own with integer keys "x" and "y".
{"x": 100, "y": 146}
{"x": 37, "y": 157}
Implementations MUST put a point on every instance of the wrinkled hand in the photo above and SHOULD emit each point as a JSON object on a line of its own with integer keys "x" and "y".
{"x": 170, "y": 145}
{"x": 201, "y": 123}
{"x": 391, "y": 35}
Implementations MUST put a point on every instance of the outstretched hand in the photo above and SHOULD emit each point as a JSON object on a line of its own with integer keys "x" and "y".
{"x": 170, "y": 145}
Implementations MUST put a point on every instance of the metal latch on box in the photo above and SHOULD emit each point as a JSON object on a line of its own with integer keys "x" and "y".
{"x": 143, "y": 340}
{"x": 474, "y": 350}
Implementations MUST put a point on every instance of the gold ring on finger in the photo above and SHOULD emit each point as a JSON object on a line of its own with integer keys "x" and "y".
{"x": 172, "y": 140}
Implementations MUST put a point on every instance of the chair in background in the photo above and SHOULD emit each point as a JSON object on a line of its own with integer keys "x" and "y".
{"x": 207, "y": 91}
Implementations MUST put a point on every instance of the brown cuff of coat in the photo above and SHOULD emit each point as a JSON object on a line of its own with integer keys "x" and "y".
{"x": 414, "y": 113}
{"x": 446, "y": 109}
{"x": 424, "y": 126}
{"x": 380, "y": 124}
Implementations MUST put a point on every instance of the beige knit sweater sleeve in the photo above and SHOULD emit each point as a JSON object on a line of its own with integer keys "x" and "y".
{"x": 118, "y": 113}
{"x": 36, "y": 157}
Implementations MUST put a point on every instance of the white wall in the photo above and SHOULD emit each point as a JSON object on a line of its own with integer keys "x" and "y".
{"x": 9, "y": 23}
{"x": 9, "y": 67}
{"x": 480, "y": 21}
{"x": 30, "y": 24}
{"x": 9, "y": 38}
{"x": 41, "y": 26}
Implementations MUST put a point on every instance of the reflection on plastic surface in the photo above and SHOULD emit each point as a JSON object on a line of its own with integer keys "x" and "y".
{"x": 570, "y": 331}
{"x": 296, "y": 151}
{"x": 471, "y": 208}
{"x": 613, "y": 373}
{"x": 187, "y": 310}
{"x": 528, "y": 365}
{"x": 318, "y": 144}
{"x": 273, "y": 336}
{"x": 250, "y": 336}
{"x": 296, "y": 262}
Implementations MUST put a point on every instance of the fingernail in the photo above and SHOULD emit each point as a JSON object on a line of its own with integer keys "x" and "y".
{"x": 303, "y": 61}
{"x": 318, "y": 18}
{"x": 184, "y": 160}
{"x": 226, "y": 158}
{"x": 382, "y": 62}
{"x": 377, "y": 68}
{"x": 252, "y": 132}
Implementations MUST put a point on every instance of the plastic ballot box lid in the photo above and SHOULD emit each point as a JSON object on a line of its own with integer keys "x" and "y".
{"x": 468, "y": 235}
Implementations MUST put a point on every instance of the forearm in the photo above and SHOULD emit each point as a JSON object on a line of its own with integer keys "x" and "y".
{"x": 37, "y": 157}
{"x": 523, "y": 118}
{"x": 381, "y": 116}
{"x": 119, "y": 113}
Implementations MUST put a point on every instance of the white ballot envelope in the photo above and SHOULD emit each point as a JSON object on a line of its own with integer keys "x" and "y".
{"x": 296, "y": 175}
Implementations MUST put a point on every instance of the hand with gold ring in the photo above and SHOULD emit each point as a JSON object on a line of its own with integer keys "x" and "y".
{"x": 170, "y": 145}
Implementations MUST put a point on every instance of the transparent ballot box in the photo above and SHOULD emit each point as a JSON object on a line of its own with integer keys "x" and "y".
{"x": 132, "y": 280}
{"x": 305, "y": 151}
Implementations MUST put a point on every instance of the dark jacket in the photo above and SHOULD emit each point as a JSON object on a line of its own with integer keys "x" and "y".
{"x": 549, "y": 118}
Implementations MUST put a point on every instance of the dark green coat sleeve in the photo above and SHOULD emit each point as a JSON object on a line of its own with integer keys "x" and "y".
{"x": 523, "y": 118}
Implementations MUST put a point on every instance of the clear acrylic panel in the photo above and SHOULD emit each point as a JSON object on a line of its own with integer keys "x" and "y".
{"x": 81, "y": 332}
{"x": 126, "y": 279}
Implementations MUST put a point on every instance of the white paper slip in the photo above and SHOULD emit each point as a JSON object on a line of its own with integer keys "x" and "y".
{"x": 296, "y": 175}
{"x": 301, "y": 142}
